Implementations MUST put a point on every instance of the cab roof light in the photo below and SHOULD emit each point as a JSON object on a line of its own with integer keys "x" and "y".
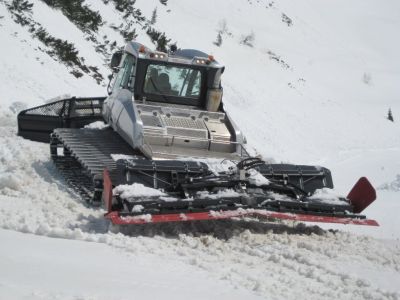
{"x": 142, "y": 49}
{"x": 157, "y": 55}
{"x": 203, "y": 60}
{"x": 200, "y": 61}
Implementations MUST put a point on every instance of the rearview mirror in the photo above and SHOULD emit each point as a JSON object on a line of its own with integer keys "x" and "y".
{"x": 116, "y": 60}
{"x": 109, "y": 88}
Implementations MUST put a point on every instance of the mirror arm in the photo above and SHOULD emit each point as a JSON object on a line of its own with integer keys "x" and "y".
{"x": 110, "y": 77}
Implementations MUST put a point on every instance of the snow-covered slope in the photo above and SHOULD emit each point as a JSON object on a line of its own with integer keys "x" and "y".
{"x": 315, "y": 88}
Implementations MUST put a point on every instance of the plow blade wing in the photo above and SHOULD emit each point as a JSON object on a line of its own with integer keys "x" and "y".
{"x": 362, "y": 195}
{"x": 118, "y": 219}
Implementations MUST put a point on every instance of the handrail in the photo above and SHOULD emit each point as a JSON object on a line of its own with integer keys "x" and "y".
{"x": 63, "y": 101}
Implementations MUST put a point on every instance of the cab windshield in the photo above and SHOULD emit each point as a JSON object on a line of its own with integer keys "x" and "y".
{"x": 172, "y": 81}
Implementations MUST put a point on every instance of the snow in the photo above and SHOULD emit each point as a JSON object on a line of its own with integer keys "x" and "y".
{"x": 276, "y": 196}
{"x": 228, "y": 193}
{"x": 215, "y": 165}
{"x": 137, "y": 208}
{"x": 61, "y": 269}
{"x": 327, "y": 108}
{"x": 116, "y": 157}
{"x": 326, "y": 195}
{"x": 126, "y": 191}
{"x": 99, "y": 125}
{"x": 392, "y": 186}
{"x": 256, "y": 178}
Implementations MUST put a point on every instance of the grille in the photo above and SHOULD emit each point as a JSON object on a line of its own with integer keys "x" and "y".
{"x": 53, "y": 109}
{"x": 187, "y": 132}
{"x": 184, "y": 122}
{"x": 147, "y": 108}
{"x": 87, "y": 111}
{"x": 150, "y": 120}
{"x": 85, "y": 107}
{"x": 87, "y": 102}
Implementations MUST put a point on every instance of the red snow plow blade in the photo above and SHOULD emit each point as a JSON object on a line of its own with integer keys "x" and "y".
{"x": 360, "y": 196}
{"x": 115, "y": 218}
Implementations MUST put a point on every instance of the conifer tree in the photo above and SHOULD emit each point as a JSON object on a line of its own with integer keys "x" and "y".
{"x": 390, "y": 115}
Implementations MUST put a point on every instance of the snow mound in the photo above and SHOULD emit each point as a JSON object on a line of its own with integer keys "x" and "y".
{"x": 126, "y": 191}
{"x": 17, "y": 106}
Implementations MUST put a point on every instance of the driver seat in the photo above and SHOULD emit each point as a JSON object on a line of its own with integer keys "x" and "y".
{"x": 163, "y": 83}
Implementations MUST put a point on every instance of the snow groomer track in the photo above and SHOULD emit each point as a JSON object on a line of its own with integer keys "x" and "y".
{"x": 84, "y": 154}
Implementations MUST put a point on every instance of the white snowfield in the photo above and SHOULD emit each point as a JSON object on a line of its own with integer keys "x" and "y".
{"x": 315, "y": 92}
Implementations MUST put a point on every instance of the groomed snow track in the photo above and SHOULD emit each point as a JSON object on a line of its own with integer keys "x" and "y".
{"x": 81, "y": 155}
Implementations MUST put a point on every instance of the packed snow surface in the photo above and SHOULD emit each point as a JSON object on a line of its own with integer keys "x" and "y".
{"x": 312, "y": 86}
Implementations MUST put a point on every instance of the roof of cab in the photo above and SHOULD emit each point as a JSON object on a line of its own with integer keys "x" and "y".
{"x": 185, "y": 56}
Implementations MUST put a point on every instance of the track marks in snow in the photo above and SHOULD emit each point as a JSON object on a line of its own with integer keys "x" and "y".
{"x": 275, "y": 260}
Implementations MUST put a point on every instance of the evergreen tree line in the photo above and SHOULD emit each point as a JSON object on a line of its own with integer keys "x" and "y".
{"x": 60, "y": 50}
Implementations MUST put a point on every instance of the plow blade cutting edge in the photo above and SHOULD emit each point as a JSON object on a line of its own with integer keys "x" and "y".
{"x": 361, "y": 196}
{"x": 115, "y": 218}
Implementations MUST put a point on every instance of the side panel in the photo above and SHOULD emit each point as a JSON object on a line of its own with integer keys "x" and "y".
{"x": 38, "y": 128}
{"x": 125, "y": 119}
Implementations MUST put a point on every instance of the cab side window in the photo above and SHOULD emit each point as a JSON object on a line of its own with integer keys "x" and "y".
{"x": 124, "y": 77}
